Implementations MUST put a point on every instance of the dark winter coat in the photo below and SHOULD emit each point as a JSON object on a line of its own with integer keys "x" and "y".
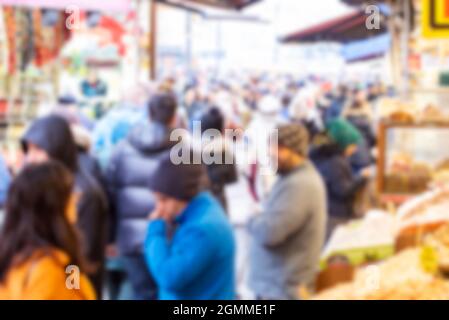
{"x": 131, "y": 166}
{"x": 341, "y": 184}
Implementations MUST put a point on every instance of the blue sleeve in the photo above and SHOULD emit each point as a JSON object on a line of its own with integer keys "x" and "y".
{"x": 176, "y": 265}
{"x": 5, "y": 180}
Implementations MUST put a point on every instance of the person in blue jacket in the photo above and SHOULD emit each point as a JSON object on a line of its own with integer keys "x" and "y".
{"x": 190, "y": 246}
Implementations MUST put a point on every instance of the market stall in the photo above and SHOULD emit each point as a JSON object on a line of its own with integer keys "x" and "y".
{"x": 48, "y": 49}
{"x": 407, "y": 163}
{"x": 364, "y": 49}
{"x": 403, "y": 255}
{"x": 28, "y": 79}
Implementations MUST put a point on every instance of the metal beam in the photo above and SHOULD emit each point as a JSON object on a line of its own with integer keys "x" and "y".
{"x": 153, "y": 39}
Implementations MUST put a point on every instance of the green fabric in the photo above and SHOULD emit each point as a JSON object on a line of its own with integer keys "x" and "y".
{"x": 343, "y": 133}
{"x": 359, "y": 256}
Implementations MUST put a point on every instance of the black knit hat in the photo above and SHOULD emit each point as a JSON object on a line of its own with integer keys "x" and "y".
{"x": 180, "y": 181}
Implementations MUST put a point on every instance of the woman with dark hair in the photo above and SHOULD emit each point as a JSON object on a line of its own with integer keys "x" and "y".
{"x": 39, "y": 249}
{"x": 223, "y": 171}
{"x": 50, "y": 138}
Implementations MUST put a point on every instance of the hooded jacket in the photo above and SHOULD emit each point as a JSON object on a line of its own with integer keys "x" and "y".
{"x": 341, "y": 184}
{"x": 51, "y": 135}
{"x": 131, "y": 167}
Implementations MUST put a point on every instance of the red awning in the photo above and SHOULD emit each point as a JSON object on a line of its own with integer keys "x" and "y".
{"x": 344, "y": 28}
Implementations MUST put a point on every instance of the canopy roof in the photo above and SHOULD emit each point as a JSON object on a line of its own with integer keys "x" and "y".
{"x": 224, "y": 4}
{"x": 367, "y": 49}
{"x": 216, "y": 10}
{"x": 345, "y": 28}
{"x": 362, "y": 2}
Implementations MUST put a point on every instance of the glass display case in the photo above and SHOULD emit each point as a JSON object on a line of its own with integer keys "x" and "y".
{"x": 412, "y": 156}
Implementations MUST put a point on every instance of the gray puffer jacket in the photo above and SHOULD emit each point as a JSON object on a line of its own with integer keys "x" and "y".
{"x": 131, "y": 166}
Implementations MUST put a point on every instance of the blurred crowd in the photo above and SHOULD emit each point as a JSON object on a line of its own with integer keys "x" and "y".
{"x": 98, "y": 208}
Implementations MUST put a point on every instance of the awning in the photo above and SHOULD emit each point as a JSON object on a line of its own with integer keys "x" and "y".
{"x": 367, "y": 49}
{"x": 91, "y": 5}
{"x": 209, "y": 10}
{"x": 223, "y": 4}
{"x": 362, "y": 2}
{"x": 346, "y": 28}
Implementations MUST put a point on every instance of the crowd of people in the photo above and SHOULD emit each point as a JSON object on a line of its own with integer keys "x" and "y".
{"x": 94, "y": 207}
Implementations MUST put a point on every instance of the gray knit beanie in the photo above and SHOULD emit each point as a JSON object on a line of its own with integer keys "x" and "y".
{"x": 294, "y": 137}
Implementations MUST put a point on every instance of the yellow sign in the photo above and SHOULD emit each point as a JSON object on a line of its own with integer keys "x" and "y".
{"x": 429, "y": 259}
{"x": 435, "y": 18}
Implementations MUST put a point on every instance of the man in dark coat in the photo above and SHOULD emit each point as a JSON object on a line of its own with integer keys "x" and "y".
{"x": 50, "y": 138}
{"x": 332, "y": 160}
{"x": 132, "y": 164}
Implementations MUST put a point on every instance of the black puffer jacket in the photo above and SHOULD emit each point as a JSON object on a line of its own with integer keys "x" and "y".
{"x": 341, "y": 184}
{"x": 132, "y": 164}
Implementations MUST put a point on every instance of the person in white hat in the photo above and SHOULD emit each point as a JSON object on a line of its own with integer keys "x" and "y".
{"x": 264, "y": 122}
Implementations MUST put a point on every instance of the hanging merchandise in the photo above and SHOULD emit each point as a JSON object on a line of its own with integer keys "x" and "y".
{"x": 10, "y": 21}
{"x": 3, "y": 45}
{"x": 63, "y": 33}
{"x": 116, "y": 31}
{"x": 24, "y": 38}
{"x": 49, "y": 17}
{"x": 50, "y": 35}
{"x": 39, "y": 41}
{"x": 93, "y": 18}
{"x": 66, "y": 31}
{"x": 28, "y": 47}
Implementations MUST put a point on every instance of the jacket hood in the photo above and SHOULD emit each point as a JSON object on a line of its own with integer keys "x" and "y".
{"x": 151, "y": 137}
{"x": 52, "y": 134}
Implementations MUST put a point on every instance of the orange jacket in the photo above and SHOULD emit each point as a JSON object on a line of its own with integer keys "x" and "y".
{"x": 44, "y": 277}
